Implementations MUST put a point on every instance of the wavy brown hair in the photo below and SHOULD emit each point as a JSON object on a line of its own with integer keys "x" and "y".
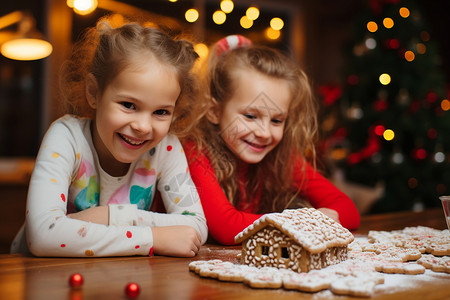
{"x": 274, "y": 174}
{"x": 106, "y": 50}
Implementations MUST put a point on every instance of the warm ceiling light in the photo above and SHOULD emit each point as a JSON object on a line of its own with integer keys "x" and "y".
{"x": 26, "y": 49}
{"x": 84, "y": 7}
{"x": 26, "y": 43}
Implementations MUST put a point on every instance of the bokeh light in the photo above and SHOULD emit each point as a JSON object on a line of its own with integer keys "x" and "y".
{"x": 372, "y": 26}
{"x": 425, "y": 36}
{"x": 420, "y": 153}
{"x": 246, "y": 23}
{"x": 445, "y": 105}
{"x": 202, "y": 50}
{"x": 388, "y": 23}
{"x": 371, "y": 43}
{"x": 404, "y": 12}
{"x": 277, "y": 23}
{"x": 272, "y": 34}
{"x": 84, "y": 7}
{"x": 439, "y": 157}
{"x": 412, "y": 183}
{"x": 398, "y": 158}
{"x": 385, "y": 79}
{"x": 252, "y": 13}
{"x": 219, "y": 17}
{"x": 409, "y": 55}
{"x": 191, "y": 15}
{"x": 388, "y": 135}
{"x": 394, "y": 43}
{"x": 379, "y": 130}
{"x": 227, "y": 6}
{"x": 421, "y": 48}
{"x": 432, "y": 133}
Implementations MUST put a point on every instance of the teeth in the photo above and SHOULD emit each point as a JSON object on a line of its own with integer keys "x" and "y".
{"x": 254, "y": 145}
{"x": 135, "y": 143}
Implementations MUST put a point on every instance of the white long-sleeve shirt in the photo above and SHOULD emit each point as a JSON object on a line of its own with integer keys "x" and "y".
{"x": 68, "y": 178}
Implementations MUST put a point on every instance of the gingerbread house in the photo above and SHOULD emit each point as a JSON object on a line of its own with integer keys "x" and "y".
{"x": 298, "y": 239}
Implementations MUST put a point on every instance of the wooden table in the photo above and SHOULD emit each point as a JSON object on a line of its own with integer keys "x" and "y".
{"x": 27, "y": 277}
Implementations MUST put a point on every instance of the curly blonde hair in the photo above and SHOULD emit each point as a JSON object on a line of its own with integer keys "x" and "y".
{"x": 105, "y": 50}
{"x": 274, "y": 174}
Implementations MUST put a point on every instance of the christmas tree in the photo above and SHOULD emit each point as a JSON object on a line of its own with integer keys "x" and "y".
{"x": 392, "y": 110}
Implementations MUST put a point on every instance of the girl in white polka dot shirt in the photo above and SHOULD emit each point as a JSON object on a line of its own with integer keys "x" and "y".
{"x": 100, "y": 166}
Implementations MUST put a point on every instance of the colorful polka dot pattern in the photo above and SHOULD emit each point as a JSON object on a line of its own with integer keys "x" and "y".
{"x": 84, "y": 184}
{"x": 89, "y": 252}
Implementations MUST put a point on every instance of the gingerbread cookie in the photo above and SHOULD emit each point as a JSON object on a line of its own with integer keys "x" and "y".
{"x": 436, "y": 264}
{"x": 195, "y": 266}
{"x": 399, "y": 268}
{"x": 212, "y": 270}
{"x": 312, "y": 281}
{"x": 416, "y": 239}
{"x": 362, "y": 285}
{"x": 266, "y": 277}
{"x": 235, "y": 274}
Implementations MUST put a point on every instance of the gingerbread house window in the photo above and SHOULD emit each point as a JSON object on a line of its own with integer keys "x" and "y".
{"x": 284, "y": 253}
{"x": 264, "y": 250}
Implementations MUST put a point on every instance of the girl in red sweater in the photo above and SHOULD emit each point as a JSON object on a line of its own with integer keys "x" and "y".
{"x": 252, "y": 148}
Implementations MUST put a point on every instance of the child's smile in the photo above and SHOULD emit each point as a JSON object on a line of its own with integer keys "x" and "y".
{"x": 134, "y": 113}
{"x": 252, "y": 121}
{"x": 132, "y": 142}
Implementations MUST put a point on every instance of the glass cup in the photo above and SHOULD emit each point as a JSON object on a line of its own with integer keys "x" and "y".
{"x": 446, "y": 207}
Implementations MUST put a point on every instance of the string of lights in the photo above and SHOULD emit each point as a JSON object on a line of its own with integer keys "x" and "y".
{"x": 219, "y": 17}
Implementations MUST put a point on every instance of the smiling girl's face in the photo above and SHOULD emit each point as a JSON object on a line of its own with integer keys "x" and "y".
{"x": 252, "y": 121}
{"x": 133, "y": 114}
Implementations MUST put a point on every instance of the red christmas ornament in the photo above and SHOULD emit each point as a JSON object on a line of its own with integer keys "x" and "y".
{"x": 380, "y": 105}
{"x": 420, "y": 154}
{"x": 431, "y": 97}
{"x": 76, "y": 280}
{"x": 414, "y": 106}
{"x": 372, "y": 147}
{"x": 132, "y": 290}
{"x": 377, "y": 5}
{"x": 379, "y": 130}
{"x": 394, "y": 44}
{"x": 432, "y": 133}
{"x": 330, "y": 94}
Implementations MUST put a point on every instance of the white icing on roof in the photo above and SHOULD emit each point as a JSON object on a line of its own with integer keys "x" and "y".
{"x": 308, "y": 227}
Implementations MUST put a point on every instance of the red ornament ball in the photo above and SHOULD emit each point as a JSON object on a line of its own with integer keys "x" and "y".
{"x": 132, "y": 290}
{"x": 76, "y": 280}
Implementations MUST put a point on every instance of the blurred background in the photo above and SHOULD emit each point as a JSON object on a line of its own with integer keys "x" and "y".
{"x": 380, "y": 70}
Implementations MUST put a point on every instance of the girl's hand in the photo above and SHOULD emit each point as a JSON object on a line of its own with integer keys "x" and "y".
{"x": 97, "y": 214}
{"x": 179, "y": 240}
{"x": 331, "y": 213}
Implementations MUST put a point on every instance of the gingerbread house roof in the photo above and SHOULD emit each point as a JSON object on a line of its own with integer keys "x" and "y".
{"x": 308, "y": 227}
